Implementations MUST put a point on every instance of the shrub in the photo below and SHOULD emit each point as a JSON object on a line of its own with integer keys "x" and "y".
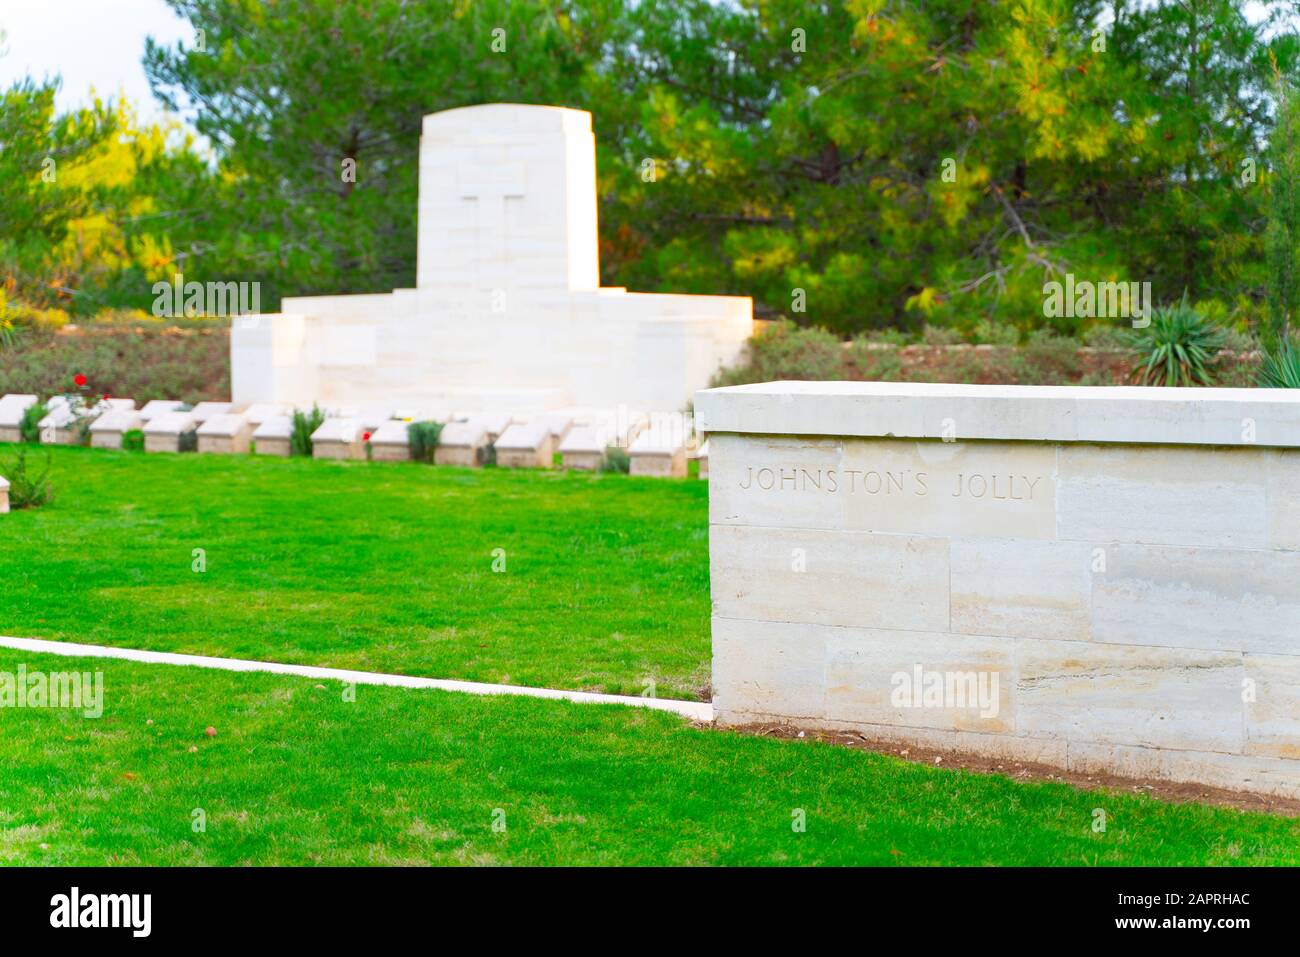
{"x": 1281, "y": 367}
{"x": 153, "y": 362}
{"x": 940, "y": 336}
{"x": 304, "y": 424}
{"x": 1179, "y": 348}
{"x": 990, "y": 332}
{"x": 30, "y": 426}
{"x": 1046, "y": 359}
{"x": 616, "y": 460}
{"x": 133, "y": 440}
{"x": 424, "y": 439}
{"x": 786, "y": 351}
{"x": 1109, "y": 337}
{"x": 871, "y": 360}
{"x": 27, "y": 489}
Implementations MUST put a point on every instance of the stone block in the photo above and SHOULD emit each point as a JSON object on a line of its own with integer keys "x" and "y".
{"x": 226, "y": 433}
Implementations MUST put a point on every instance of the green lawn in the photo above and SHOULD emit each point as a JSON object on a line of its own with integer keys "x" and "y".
{"x": 374, "y": 566}
{"x": 297, "y": 775}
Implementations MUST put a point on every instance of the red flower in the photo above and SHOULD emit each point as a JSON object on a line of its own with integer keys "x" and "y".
{"x": 105, "y": 396}
{"x": 365, "y": 436}
{"x": 79, "y": 379}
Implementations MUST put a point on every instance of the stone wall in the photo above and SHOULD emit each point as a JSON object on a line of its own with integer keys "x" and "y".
{"x": 1100, "y": 579}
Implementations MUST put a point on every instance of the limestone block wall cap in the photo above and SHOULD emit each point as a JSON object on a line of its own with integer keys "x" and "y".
{"x": 226, "y": 425}
{"x": 170, "y": 423}
{"x": 206, "y": 410}
{"x": 260, "y": 412}
{"x": 593, "y": 438}
{"x": 393, "y": 432}
{"x": 156, "y": 407}
{"x": 1091, "y": 414}
{"x": 276, "y": 427}
{"x": 336, "y": 430}
{"x": 657, "y": 441}
{"x": 521, "y": 435}
{"x": 464, "y": 434}
{"x": 116, "y": 420}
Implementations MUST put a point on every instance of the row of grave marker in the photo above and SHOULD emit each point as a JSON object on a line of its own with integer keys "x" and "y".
{"x": 656, "y": 446}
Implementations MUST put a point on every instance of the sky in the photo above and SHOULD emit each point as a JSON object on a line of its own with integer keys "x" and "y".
{"x": 92, "y": 43}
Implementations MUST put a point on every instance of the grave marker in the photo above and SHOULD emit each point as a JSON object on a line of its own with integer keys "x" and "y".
{"x": 272, "y": 437}
{"x": 227, "y": 433}
{"x": 170, "y": 432}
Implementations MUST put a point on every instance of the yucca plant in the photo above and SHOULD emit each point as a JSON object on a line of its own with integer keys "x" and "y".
{"x": 1179, "y": 348}
{"x": 304, "y": 424}
{"x": 1281, "y": 367}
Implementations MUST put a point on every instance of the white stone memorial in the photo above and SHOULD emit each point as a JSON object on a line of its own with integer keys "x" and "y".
{"x": 338, "y": 438}
{"x": 587, "y": 445}
{"x": 391, "y": 442}
{"x": 659, "y": 451}
{"x": 272, "y": 437}
{"x": 508, "y": 314}
{"x": 532, "y": 444}
{"x": 107, "y": 430}
{"x": 466, "y": 443}
{"x": 260, "y": 412}
{"x": 1103, "y": 579}
{"x": 206, "y": 410}
{"x": 170, "y": 432}
{"x": 156, "y": 407}
{"x": 227, "y": 433}
{"x": 13, "y": 407}
{"x": 68, "y": 421}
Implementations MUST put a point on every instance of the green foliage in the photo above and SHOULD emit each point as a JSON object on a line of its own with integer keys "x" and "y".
{"x": 361, "y": 554}
{"x": 1047, "y": 359}
{"x": 584, "y": 786}
{"x": 786, "y": 351}
{"x": 30, "y": 425}
{"x": 1281, "y": 367}
{"x": 616, "y": 460}
{"x": 191, "y": 363}
{"x": 28, "y": 488}
{"x": 901, "y": 165}
{"x": 133, "y": 440}
{"x": 424, "y": 439}
{"x": 36, "y": 146}
{"x": 1110, "y": 337}
{"x": 350, "y": 81}
{"x": 304, "y": 424}
{"x": 1282, "y": 239}
{"x": 1179, "y": 348}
